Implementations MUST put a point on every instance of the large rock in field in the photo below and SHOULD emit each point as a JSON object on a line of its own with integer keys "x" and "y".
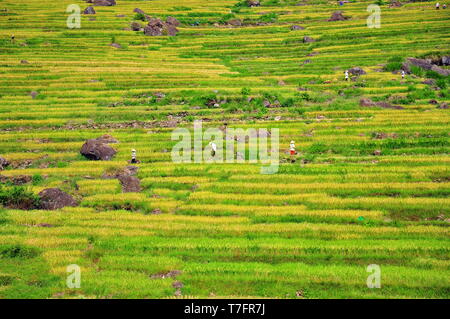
{"x": 98, "y": 149}
{"x": 54, "y": 198}
{"x": 338, "y": 16}
{"x": 157, "y": 27}
{"x": 130, "y": 184}
{"x": 356, "y": 71}
{"x": 3, "y": 163}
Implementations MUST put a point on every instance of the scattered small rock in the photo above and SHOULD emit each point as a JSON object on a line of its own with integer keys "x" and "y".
{"x": 156, "y": 211}
{"x": 136, "y": 26}
{"x": 235, "y": 22}
{"x": 177, "y": 285}
{"x": 126, "y": 171}
{"x": 137, "y": 10}
{"x": 24, "y": 62}
{"x": 170, "y": 274}
{"x": 366, "y": 102}
{"x": 356, "y": 71}
{"x": 429, "y": 82}
{"x": 308, "y": 39}
{"x": 253, "y": 3}
{"x": 382, "y": 135}
{"x": 116, "y": 45}
{"x": 89, "y": 10}
{"x": 3, "y": 163}
{"x": 377, "y": 152}
{"x": 395, "y": 3}
{"x": 338, "y": 16}
{"x": 15, "y": 180}
{"x": 443, "y": 106}
{"x": 297, "y": 27}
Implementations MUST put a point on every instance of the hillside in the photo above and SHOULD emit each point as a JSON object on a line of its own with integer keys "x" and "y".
{"x": 370, "y": 183}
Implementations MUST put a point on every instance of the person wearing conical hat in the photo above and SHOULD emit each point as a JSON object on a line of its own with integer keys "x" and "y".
{"x": 292, "y": 151}
{"x": 133, "y": 156}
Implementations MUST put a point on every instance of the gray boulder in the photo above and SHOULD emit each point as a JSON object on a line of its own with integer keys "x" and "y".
{"x": 297, "y": 27}
{"x": 97, "y": 150}
{"x": 356, "y": 71}
{"x": 54, "y": 198}
{"x": 130, "y": 184}
{"x": 89, "y": 10}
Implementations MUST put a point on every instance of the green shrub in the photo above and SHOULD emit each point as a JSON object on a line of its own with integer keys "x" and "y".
{"x": 393, "y": 66}
{"x": 245, "y": 91}
{"x": 18, "y": 251}
{"x": 37, "y": 179}
{"x": 417, "y": 71}
{"x": 18, "y": 197}
{"x": 139, "y": 16}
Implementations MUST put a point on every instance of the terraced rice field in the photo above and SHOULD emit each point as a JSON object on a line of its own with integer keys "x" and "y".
{"x": 225, "y": 230}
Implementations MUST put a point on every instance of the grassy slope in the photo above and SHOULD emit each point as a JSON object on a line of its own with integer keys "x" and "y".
{"x": 230, "y": 230}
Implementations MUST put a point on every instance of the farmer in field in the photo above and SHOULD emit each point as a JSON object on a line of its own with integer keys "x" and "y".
{"x": 444, "y": 6}
{"x": 292, "y": 151}
{"x": 403, "y": 74}
{"x": 213, "y": 149}
{"x": 13, "y": 38}
{"x": 133, "y": 156}
{"x": 346, "y": 75}
{"x": 437, "y": 6}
